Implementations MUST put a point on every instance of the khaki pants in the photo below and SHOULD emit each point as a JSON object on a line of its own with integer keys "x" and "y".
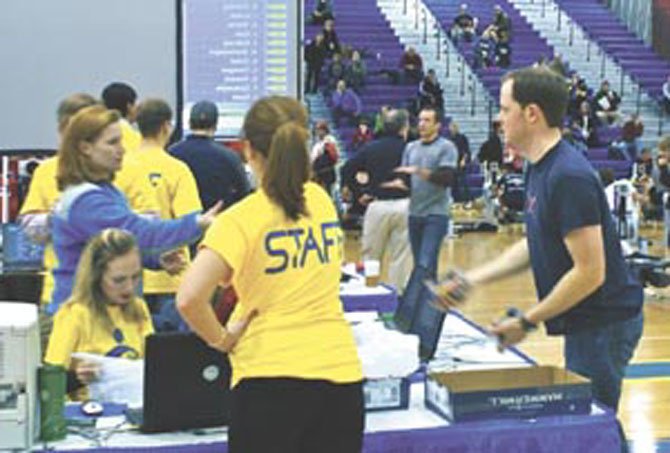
{"x": 385, "y": 235}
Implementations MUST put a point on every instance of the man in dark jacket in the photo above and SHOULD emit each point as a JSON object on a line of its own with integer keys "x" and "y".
{"x": 315, "y": 56}
{"x": 385, "y": 221}
{"x": 218, "y": 171}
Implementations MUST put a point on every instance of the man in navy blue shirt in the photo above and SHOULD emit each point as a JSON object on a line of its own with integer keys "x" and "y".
{"x": 218, "y": 172}
{"x": 585, "y": 289}
{"x": 385, "y": 220}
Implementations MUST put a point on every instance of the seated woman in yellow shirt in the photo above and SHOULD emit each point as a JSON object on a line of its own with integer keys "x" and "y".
{"x": 104, "y": 315}
{"x": 296, "y": 372}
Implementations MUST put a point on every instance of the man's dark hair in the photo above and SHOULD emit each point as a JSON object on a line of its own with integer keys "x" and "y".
{"x": 394, "y": 121}
{"x": 117, "y": 96}
{"x": 151, "y": 115}
{"x": 543, "y": 87}
{"x": 436, "y": 112}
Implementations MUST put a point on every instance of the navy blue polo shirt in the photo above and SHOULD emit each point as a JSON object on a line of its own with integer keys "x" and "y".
{"x": 218, "y": 171}
{"x": 563, "y": 193}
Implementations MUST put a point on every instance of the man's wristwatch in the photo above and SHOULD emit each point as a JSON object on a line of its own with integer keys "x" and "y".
{"x": 526, "y": 325}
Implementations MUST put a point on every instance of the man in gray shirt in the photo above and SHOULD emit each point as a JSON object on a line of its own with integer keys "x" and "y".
{"x": 431, "y": 161}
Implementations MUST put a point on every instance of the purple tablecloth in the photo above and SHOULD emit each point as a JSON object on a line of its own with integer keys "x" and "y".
{"x": 383, "y": 303}
{"x": 567, "y": 434}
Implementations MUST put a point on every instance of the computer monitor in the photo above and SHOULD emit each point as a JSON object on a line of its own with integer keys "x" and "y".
{"x": 415, "y": 314}
{"x": 186, "y": 384}
{"x": 19, "y": 253}
{"x": 427, "y": 325}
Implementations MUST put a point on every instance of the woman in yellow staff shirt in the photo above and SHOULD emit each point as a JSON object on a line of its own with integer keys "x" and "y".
{"x": 103, "y": 316}
{"x": 296, "y": 372}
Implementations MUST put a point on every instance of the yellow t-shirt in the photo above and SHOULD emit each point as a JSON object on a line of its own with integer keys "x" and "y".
{"x": 177, "y": 195}
{"x": 41, "y": 197}
{"x": 290, "y": 272}
{"x": 43, "y": 194}
{"x": 76, "y": 330}
{"x": 130, "y": 138}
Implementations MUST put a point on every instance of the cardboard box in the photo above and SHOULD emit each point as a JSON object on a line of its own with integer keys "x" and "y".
{"x": 386, "y": 394}
{"x": 526, "y": 392}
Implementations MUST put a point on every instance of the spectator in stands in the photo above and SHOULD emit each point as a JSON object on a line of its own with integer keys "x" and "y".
{"x": 464, "y": 25}
{"x": 586, "y": 124}
{"x": 315, "y": 57}
{"x": 512, "y": 155}
{"x": 345, "y": 103}
{"x": 558, "y": 65}
{"x": 660, "y": 175}
{"x": 89, "y": 157}
{"x": 356, "y": 72}
{"x": 430, "y": 92}
{"x": 337, "y": 71}
{"x": 330, "y": 38}
{"x": 462, "y": 144}
{"x": 501, "y": 22}
{"x": 218, "y": 171}
{"x": 379, "y": 120}
{"x": 492, "y": 149}
{"x": 323, "y": 11}
{"x": 411, "y": 66}
{"x": 464, "y": 157}
{"x": 485, "y": 49}
{"x": 503, "y": 57}
{"x": 510, "y": 193}
{"x": 626, "y": 212}
{"x": 579, "y": 92}
{"x": 606, "y": 103}
{"x": 631, "y": 135}
{"x": 362, "y": 135}
{"x": 573, "y": 135}
{"x": 122, "y": 97}
{"x": 104, "y": 315}
{"x": 645, "y": 162}
{"x": 385, "y": 221}
{"x": 324, "y": 155}
{"x": 666, "y": 95}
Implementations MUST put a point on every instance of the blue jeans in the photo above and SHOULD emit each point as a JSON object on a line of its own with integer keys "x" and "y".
{"x": 601, "y": 354}
{"x": 164, "y": 314}
{"x": 425, "y": 238}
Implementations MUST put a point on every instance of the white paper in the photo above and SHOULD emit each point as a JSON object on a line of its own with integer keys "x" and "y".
{"x": 119, "y": 380}
{"x": 385, "y": 352}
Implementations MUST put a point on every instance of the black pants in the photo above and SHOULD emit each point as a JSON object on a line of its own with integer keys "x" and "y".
{"x": 313, "y": 78}
{"x": 283, "y": 415}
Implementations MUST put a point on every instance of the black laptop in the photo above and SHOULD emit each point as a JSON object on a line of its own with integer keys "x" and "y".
{"x": 186, "y": 385}
{"x": 415, "y": 314}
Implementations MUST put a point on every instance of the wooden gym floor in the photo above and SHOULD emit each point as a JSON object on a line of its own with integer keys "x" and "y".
{"x": 645, "y": 404}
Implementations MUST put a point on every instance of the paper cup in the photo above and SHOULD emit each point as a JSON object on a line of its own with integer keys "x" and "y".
{"x": 371, "y": 272}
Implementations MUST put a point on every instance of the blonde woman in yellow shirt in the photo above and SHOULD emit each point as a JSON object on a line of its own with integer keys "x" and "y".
{"x": 296, "y": 372}
{"x": 104, "y": 315}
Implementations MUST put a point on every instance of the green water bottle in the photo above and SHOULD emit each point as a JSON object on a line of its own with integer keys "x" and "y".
{"x": 51, "y": 380}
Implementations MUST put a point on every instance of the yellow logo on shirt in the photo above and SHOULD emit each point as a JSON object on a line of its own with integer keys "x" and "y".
{"x": 291, "y": 248}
